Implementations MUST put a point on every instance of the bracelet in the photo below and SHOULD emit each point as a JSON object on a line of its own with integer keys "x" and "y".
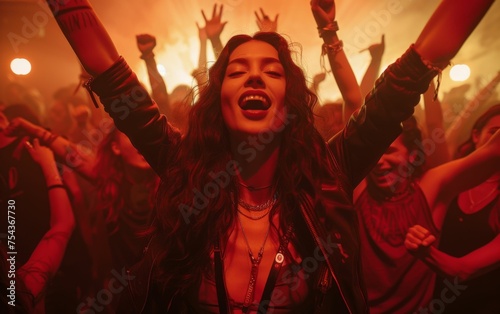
{"x": 55, "y": 186}
{"x": 329, "y": 28}
{"x": 332, "y": 48}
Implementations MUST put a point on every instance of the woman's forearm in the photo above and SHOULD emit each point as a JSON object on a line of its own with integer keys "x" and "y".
{"x": 474, "y": 264}
{"x": 202, "y": 57}
{"x": 217, "y": 46}
{"x": 444, "y": 264}
{"x": 85, "y": 33}
{"x": 158, "y": 86}
{"x": 371, "y": 74}
{"x": 76, "y": 157}
{"x": 448, "y": 28}
{"x": 344, "y": 77}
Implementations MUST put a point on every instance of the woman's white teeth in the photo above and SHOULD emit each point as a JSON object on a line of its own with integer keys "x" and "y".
{"x": 255, "y": 97}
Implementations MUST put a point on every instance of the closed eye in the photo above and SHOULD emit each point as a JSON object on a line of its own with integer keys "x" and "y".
{"x": 274, "y": 74}
{"x": 236, "y": 74}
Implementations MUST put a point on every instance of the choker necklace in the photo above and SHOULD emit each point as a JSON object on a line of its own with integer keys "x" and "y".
{"x": 254, "y": 218}
{"x": 254, "y": 188}
{"x": 249, "y": 296}
{"x": 259, "y": 207}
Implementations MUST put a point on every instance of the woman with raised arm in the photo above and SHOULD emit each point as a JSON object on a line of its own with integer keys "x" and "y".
{"x": 121, "y": 208}
{"x": 124, "y": 184}
{"x": 469, "y": 242}
{"x": 34, "y": 276}
{"x": 254, "y": 208}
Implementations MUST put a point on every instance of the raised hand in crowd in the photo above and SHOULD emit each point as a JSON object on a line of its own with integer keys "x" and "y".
{"x": 317, "y": 79}
{"x": 146, "y": 43}
{"x": 214, "y": 27}
{"x": 201, "y": 72}
{"x": 265, "y": 23}
{"x": 372, "y": 72}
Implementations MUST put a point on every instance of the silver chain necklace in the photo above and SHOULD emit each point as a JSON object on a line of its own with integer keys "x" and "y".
{"x": 258, "y": 207}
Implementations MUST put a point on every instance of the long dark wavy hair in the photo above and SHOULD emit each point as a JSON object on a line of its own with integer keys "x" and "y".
{"x": 184, "y": 245}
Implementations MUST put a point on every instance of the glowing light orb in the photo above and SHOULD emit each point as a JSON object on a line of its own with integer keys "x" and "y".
{"x": 20, "y": 66}
{"x": 460, "y": 72}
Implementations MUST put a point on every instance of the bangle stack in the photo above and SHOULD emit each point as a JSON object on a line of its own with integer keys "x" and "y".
{"x": 332, "y": 48}
{"x": 332, "y": 27}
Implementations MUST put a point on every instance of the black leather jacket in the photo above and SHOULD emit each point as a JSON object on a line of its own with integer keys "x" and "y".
{"x": 352, "y": 154}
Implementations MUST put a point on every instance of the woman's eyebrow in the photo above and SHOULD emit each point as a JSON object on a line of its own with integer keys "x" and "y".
{"x": 245, "y": 61}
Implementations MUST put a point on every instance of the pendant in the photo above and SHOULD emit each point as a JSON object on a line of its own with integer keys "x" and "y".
{"x": 253, "y": 280}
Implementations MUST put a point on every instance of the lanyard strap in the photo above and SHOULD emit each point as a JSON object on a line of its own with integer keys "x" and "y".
{"x": 270, "y": 283}
{"x": 275, "y": 270}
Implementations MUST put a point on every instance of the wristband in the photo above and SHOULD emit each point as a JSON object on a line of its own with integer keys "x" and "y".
{"x": 332, "y": 27}
{"x": 332, "y": 48}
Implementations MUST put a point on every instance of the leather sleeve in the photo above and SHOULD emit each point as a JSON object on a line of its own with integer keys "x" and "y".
{"x": 136, "y": 114}
{"x": 372, "y": 129}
